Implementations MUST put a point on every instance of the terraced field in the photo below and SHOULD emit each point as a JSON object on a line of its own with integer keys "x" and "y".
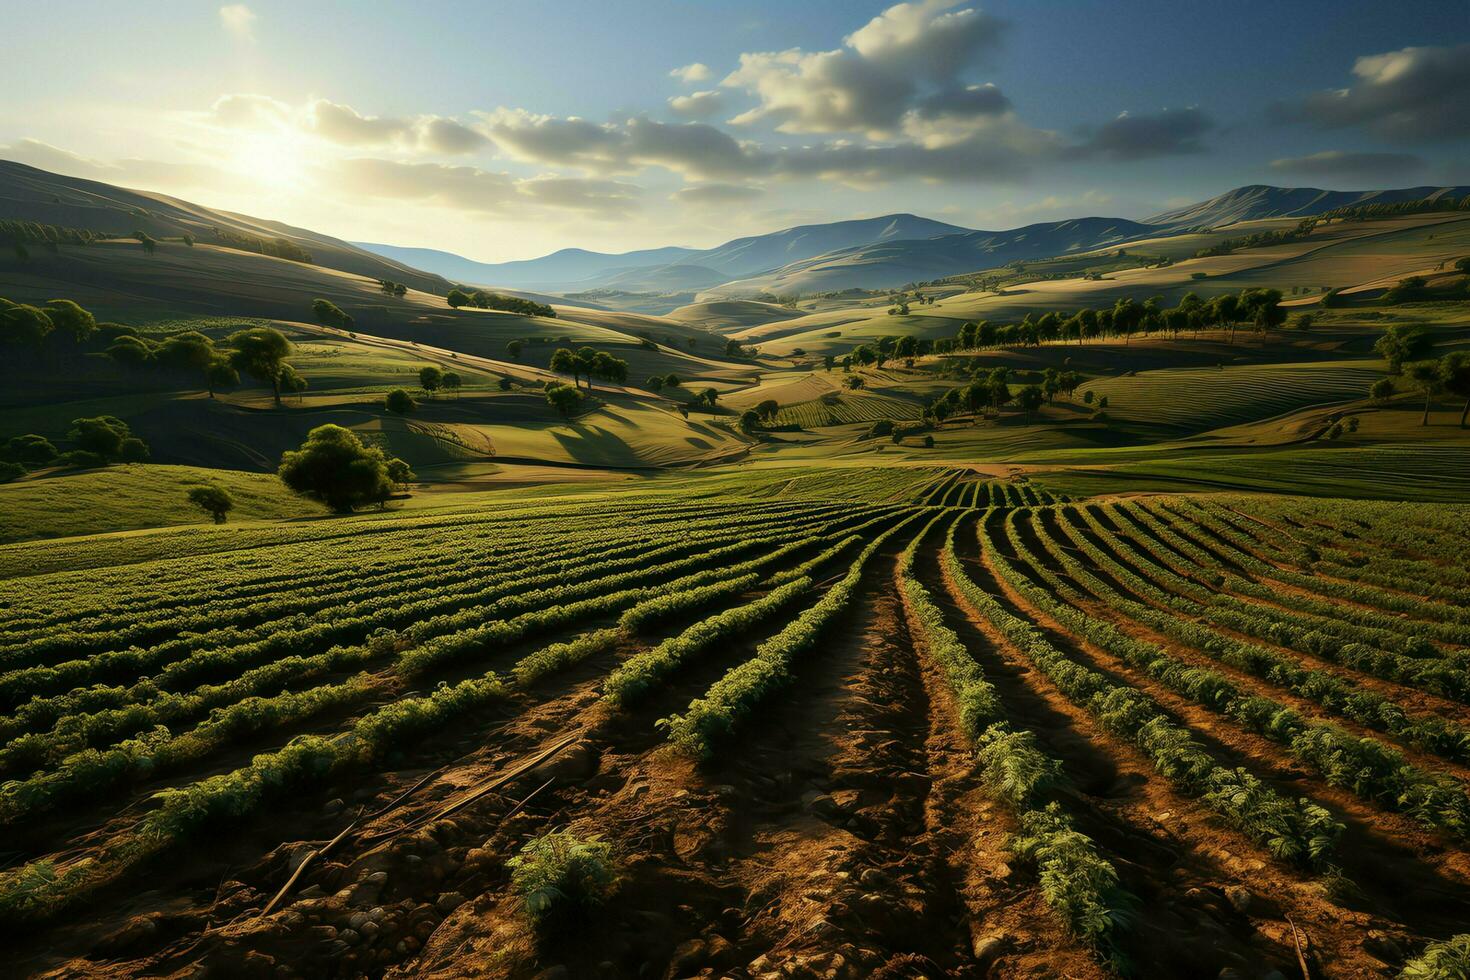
{"x": 906, "y": 721}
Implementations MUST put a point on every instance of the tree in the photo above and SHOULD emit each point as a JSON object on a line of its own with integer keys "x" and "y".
{"x": 1454, "y": 378}
{"x": 333, "y": 466}
{"x": 30, "y": 449}
{"x": 854, "y": 382}
{"x": 1425, "y": 375}
{"x": 67, "y": 317}
{"x": 503, "y": 383}
{"x": 458, "y": 298}
{"x": 1302, "y": 321}
{"x": 655, "y": 384}
{"x": 292, "y": 382}
{"x": 399, "y": 473}
{"x": 1401, "y": 343}
{"x": 750, "y": 421}
{"x": 103, "y": 435}
{"x": 1225, "y": 309}
{"x": 708, "y": 397}
{"x": 22, "y": 325}
{"x": 213, "y": 499}
{"x": 399, "y": 402}
{"x": 220, "y": 374}
{"x": 131, "y": 352}
{"x": 768, "y": 409}
{"x": 514, "y": 348}
{"x": 563, "y": 361}
{"x": 1382, "y": 390}
{"x": 564, "y": 398}
{"x": 329, "y": 314}
{"x": 431, "y": 379}
{"x": 1029, "y": 399}
{"x": 261, "y": 352}
{"x": 453, "y": 382}
{"x": 146, "y": 241}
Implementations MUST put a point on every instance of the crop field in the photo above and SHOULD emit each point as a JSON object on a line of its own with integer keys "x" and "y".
{"x": 840, "y": 409}
{"x": 817, "y": 713}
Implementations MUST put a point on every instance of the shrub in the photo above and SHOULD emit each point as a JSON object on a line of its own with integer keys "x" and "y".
{"x": 560, "y": 875}
{"x": 399, "y": 402}
{"x": 213, "y": 499}
{"x": 10, "y": 471}
{"x": 1449, "y": 960}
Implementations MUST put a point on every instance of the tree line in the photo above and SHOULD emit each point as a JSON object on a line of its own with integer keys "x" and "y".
{"x": 480, "y": 299}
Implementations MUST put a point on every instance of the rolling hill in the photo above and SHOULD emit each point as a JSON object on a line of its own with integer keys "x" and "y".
{"x": 29, "y": 194}
{"x": 1256, "y": 201}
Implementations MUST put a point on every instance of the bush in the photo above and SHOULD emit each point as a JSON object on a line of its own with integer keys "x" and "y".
{"x": 1449, "y": 960}
{"x": 31, "y": 449}
{"x": 10, "y": 471}
{"x": 333, "y": 466}
{"x": 213, "y": 499}
{"x": 561, "y": 875}
{"x": 399, "y": 402}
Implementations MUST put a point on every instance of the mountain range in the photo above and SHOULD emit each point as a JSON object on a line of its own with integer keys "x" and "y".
{"x": 875, "y": 253}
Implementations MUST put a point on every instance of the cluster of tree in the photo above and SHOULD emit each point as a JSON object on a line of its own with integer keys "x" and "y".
{"x": 1260, "y": 308}
{"x": 1447, "y": 375}
{"x": 1260, "y": 239}
{"x": 280, "y": 248}
{"x": 20, "y": 234}
{"x": 733, "y": 348}
{"x": 432, "y": 379}
{"x": 1415, "y": 289}
{"x": 480, "y": 299}
{"x": 335, "y": 467}
{"x": 391, "y": 288}
{"x": 96, "y": 441}
{"x": 589, "y": 363}
{"x": 329, "y": 314}
{"x": 27, "y": 327}
{"x": 1425, "y": 205}
{"x": 659, "y": 382}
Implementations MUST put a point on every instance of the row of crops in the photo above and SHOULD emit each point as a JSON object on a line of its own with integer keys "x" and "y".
{"x": 847, "y": 407}
{"x": 1205, "y": 638}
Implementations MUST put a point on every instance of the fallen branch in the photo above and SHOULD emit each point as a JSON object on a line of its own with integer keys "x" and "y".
{"x": 310, "y": 856}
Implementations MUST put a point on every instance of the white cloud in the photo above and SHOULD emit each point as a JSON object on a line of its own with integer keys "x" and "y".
{"x": 344, "y": 125}
{"x": 1409, "y": 94}
{"x": 697, "y": 105}
{"x": 239, "y": 20}
{"x": 689, "y": 74}
{"x": 479, "y": 191}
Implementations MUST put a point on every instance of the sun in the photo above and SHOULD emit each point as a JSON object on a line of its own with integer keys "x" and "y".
{"x": 273, "y": 159}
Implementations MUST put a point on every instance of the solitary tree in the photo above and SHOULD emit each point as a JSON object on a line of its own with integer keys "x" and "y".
{"x": 1454, "y": 378}
{"x": 329, "y": 314}
{"x": 399, "y": 473}
{"x": 333, "y": 466}
{"x": 458, "y": 298}
{"x": 453, "y": 382}
{"x": 1401, "y": 343}
{"x": 213, "y": 499}
{"x": 564, "y": 398}
{"x": 750, "y": 421}
{"x": 513, "y": 348}
{"x": 1382, "y": 390}
{"x": 768, "y": 409}
{"x": 431, "y": 379}
{"x": 709, "y": 397}
{"x": 261, "y": 352}
{"x": 1029, "y": 399}
{"x": 399, "y": 401}
{"x": 1425, "y": 375}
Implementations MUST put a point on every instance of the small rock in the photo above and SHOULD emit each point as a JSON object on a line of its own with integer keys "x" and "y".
{"x": 1239, "y": 898}
{"x": 874, "y": 878}
{"x": 370, "y": 930}
{"x": 349, "y": 936}
{"x": 687, "y": 957}
{"x": 448, "y": 902}
{"x": 323, "y": 934}
{"x": 988, "y": 947}
{"x": 333, "y": 806}
{"x": 356, "y": 920}
{"x": 313, "y": 891}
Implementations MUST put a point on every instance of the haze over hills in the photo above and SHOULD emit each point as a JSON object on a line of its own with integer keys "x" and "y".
{"x": 875, "y": 253}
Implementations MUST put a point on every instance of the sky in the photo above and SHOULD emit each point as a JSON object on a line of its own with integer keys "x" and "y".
{"x": 507, "y": 130}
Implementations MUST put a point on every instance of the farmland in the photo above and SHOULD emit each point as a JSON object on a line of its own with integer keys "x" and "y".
{"x": 1223, "y": 705}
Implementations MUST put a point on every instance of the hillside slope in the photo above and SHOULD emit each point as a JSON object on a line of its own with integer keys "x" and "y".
{"x": 1256, "y": 201}
{"x": 29, "y": 194}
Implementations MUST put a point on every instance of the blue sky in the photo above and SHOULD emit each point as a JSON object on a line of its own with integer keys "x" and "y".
{"x": 506, "y": 130}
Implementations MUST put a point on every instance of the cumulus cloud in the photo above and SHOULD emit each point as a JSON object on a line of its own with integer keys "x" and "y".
{"x": 1339, "y": 163}
{"x": 480, "y": 191}
{"x": 552, "y": 139}
{"x": 1410, "y": 94}
{"x": 346, "y": 126}
{"x": 698, "y": 105}
{"x": 249, "y": 111}
{"x": 239, "y": 20}
{"x": 872, "y": 81}
{"x": 689, "y": 74}
{"x": 1136, "y": 137}
{"x": 708, "y": 195}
